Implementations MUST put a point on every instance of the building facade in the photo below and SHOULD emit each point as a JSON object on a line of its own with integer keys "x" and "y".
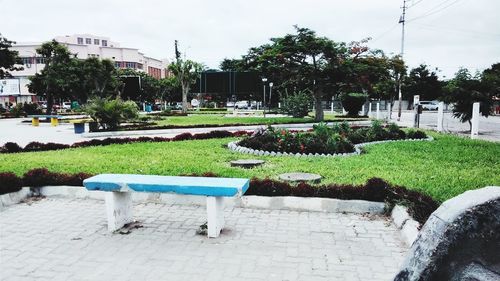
{"x": 83, "y": 46}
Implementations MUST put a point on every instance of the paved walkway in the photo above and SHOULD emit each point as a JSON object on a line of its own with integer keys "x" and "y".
{"x": 61, "y": 239}
{"x": 12, "y": 130}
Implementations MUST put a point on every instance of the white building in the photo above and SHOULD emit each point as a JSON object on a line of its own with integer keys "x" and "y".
{"x": 84, "y": 46}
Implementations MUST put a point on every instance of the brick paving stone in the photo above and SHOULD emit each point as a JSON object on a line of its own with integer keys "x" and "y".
{"x": 62, "y": 239}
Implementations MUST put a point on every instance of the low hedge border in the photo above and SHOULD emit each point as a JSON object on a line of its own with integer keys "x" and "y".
{"x": 419, "y": 205}
{"x": 235, "y": 147}
{"x": 12, "y": 147}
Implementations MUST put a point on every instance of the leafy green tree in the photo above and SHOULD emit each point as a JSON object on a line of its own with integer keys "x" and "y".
{"x": 98, "y": 78}
{"x": 463, "y": 91}
{"x": 353, "y": 102}
{"x": 491, "y": 80}
{"x": 424, "y": 82}
{"x": 8, "y": 58}
{"x": 53, "y": 80}
{"x": 186, "y": 72}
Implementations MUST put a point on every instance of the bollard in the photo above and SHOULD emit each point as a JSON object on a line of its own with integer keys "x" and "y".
{"x": 35, "y": 121}
{"x": 388, "y": 111}
{"x": 54, "y": 121}
{"x": 343, "y": 111}
{"x": 440, "y": 116}
{"x": 474, "y": 133}
{"x": 370, "y": 109}
{"x": 378, "y": 110}
{"x": 331, "y": 108}
{"x": 362, "y": 110}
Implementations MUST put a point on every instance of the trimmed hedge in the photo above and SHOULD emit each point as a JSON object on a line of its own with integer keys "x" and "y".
{"x": 11, "y": 147}
{"x": 419, "y": 205}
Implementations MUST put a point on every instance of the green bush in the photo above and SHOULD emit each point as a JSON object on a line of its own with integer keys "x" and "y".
{"x": 352, "y": 102}
{"x": 297, "y": 104}
{"x": 109, "y": 113}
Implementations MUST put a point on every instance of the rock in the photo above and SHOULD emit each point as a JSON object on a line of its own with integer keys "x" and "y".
{"x": 298, "y": 177}
{"x": 247, "y": 163}
{"x": 459, "y": 241}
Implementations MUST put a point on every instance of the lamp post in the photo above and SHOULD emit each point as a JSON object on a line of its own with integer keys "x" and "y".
{"x": 270, "y": 94}
{"x": 264, "y": 80}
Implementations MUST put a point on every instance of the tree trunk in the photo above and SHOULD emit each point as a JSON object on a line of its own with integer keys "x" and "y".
{"x": 318, "y": 108}
{"x": 185, "y": 90}
{"x": 50, "y": 104}
{"x": 470, "y": 125}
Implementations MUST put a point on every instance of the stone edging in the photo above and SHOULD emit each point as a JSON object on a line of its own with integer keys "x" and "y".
{"x": 13, "y": 197}
{"x": 236, "y": 148}
{"x": 253, "y": 202}
{"x": 404, "y": 222}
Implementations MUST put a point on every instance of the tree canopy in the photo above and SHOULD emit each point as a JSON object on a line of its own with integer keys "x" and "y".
{"x": 8, "y": 58}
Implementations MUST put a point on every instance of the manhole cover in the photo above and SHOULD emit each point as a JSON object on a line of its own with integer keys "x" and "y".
{"x": 294, "y": 177}
{"x": 247, "y": 163}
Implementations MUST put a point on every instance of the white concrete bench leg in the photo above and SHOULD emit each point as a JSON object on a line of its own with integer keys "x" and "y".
{"x": 215, "y": 215}
{"x": 118, "y": 209}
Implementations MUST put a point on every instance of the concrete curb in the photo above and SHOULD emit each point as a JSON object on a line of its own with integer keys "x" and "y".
{"x": 357, "y": 147}
{"x": 404, "y": 222}
{"x": 252, "y": 202}
{"x": 13, "y": 197}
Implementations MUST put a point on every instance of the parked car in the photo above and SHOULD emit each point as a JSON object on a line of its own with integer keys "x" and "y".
{"x": 241, "y": 104}
{"x": 429, "y": 105}
{"x": 66, "y": 105}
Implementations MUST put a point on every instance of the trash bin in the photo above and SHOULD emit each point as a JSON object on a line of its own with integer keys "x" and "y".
{"x": 148, "y": 108}
{"x": 79, "y": 128}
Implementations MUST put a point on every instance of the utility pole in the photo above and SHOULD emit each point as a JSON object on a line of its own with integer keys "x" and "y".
{"x": 402, "y": 21}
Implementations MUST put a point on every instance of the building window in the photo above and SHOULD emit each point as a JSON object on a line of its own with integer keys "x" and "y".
{"x": 105, "y": 43}
{"x": 27, "y": 61}
{"x": 118, "y": 64}
{"x": 88, "y": 41}
{"x": 80, "y": 40}
{"x": 139, "y": 65}
{"x": 130, "y": 64}
{"x": 40, "y": 60}
{"x": 96, "y": 41}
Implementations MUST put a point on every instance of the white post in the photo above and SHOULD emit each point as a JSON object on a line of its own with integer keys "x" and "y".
{"x": 215, "y": 215}
{"x": 118, "y": 209}
{"x": 475, "y": 121}
{"x": 440, "y": 116}
{"x": 362, "y": 110}
{"x": 378, "y": 110}
{"x": 370, "y": 109}
{"x": 388, "y": 111}
{"x": 279, "y": 104}
{"x": 343, "y": 111}
{"x": 331, "y": 107}
{"x": 215, "y": 104}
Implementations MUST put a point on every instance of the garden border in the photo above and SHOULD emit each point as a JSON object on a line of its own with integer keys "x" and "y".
{"x": 245, "y": 150}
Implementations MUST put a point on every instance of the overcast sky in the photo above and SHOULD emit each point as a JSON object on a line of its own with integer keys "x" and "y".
{"x": 442, "y": 33}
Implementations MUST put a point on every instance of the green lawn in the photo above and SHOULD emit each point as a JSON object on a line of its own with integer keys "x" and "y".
{"x": 220, "y": 119}
{"x": 442, "y": 168}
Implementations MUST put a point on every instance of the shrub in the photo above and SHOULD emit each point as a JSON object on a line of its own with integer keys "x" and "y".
{"x": 352, "y": 102}
{"x": 17, "y": 111}
{"x": 297, "y": 104}
{"x": 11, "y": 147}
{"x": 416, "y": 134}
{"x": 9, "y": 182}
{"x": 109, "y": 113}
{"x": 31, "y": 108}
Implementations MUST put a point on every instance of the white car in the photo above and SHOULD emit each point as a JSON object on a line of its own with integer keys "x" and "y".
{"x": 66, "y": 105}
{"x": 429, "y": 105}
{"x": 241, "y": 105}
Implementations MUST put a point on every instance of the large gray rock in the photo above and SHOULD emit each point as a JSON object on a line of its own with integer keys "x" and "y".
{"x": 459, "y": 241}
{"x": 300, "y": 177}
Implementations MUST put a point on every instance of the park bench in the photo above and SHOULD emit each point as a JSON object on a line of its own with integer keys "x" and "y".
{"x": 120, "y": 186}
{"x": 79, "y": 124}
{"x": 35, "y": 119}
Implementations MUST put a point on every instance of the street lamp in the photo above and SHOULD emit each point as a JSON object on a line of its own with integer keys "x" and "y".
{"x": 264, "y": 80}
{"x": 270, "y": 94}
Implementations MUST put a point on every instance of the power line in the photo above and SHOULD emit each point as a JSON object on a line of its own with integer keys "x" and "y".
{"x": 414, "y": 4}
{"x": 448, "y": 29}
{"x": 376, "y": 38}
{"x": 434, "y": 11}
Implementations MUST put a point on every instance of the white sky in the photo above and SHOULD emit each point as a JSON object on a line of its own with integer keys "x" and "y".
{"x": 459, "y": 33}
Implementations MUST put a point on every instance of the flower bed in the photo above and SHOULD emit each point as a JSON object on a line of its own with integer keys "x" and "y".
{"x": 340, "y": 139}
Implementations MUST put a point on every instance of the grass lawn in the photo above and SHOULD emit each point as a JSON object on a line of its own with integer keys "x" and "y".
{"x": 442, "y": 168}
{"x": 220, "y": 119}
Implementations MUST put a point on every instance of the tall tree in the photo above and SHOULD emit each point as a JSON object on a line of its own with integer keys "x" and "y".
{"x": 464, "y": 90}
{"x": 186, "y": 73}
{"x": 424, "y": 82}
{"x": 8, "y": 58}
{"x": 53, "y": 81}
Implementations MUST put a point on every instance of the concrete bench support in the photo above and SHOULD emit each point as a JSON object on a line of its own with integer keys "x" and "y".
{"x": 118, "y": 209}
{"x": 215, "y": 215}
